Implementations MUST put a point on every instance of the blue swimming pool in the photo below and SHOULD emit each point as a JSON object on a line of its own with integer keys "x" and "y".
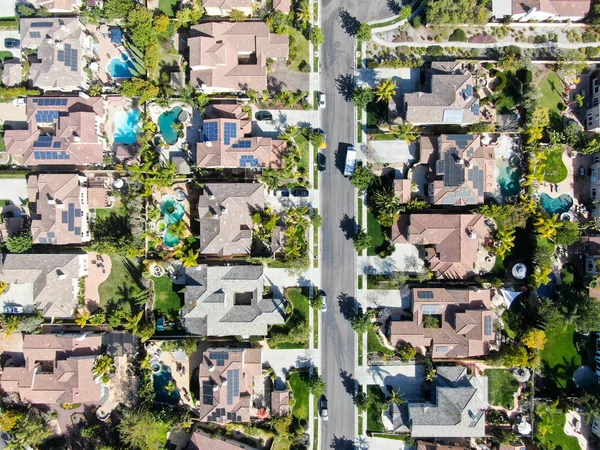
{"x": 166, "y": 122}
{"x": 556, "y": 205}
{"x": 173, "y": 212}
{"x": 121, "y": 67}
{"x": 508, "y": 178}
{"x": 161, "y": 380}
{"x": 127, "y": 125}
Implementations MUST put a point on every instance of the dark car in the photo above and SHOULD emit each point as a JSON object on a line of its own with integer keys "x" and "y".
{"x": 321, "y": 161}
{"x": 264, "y": 115}
{"x": 285, "y": 193}
{"x": 324, "y": 409}
{"x": 300, "y": 192}
{"x": 12, "y": 43}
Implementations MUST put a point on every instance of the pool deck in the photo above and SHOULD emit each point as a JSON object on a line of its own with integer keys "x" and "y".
{"x": 566, "y": 186}
{"x": 155, "y": 111}
{"x": 114, "y": 105}
{"x": 107, "y": 51}
{"x": 170, "y": 191}
{"x": 182, "y": 378}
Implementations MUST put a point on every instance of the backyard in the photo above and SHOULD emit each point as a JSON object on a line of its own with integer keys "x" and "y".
{"x": 560, "y": 358}
{"x": 377, "y": 233}
{"x": 551, "y": 89}
{"x": 168, "y": 7}
{"x": 559, "y": 438}
{"x": 555, "y": 170}
{"x": 502, "y": 386}
{"x": 295, "y": 333}
{"x": 121, "y": 286}
{"x": 166, "y": 300}
{"x": 507, "y": 94}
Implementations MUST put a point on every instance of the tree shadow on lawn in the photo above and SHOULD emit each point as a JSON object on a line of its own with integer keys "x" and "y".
{"x": 559, "y": 377}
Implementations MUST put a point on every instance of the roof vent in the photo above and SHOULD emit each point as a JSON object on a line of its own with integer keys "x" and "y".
{"x": 224, "y": 382}
{"x": 471, "y": 233}
{"x": 60, "y": 275}
{"x": 215, "y": 387}
{"x": 211, "y": 367}
{"x": 211, "y": 197}
{"x": 51, "y": 202}
{"x": 224, "y": 209}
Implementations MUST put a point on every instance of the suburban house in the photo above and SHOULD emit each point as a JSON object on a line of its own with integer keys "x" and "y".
{"x": 11, "y": 72}
{"x": 460, "y": 169}
{"x": 228, "y": 56}
{"x": 59, "y": 6}
{"x": 228, "y": 300}
{"x": 223, "y": 8}
{"x": 464, "y": 328}
{"x": 45, "y": 281}
{"x": 592, "y": 118}
{"x": 423, "y": 445}
{"x": 457, "y": 407}
{"x": 451, "y": 99}
{"x": 56, "y": 369}
{"x": 225, "y": 216}
{"x": 60, "y": 211}
{"x": 203, "y": 441}
{"x": 61, "y": 46}
{"x": 226, "y": 141}
{"x": 280, "y": 402}
{"x": 454, "y": 243}
{"x": 541, "y": 10}
{"x": 227, "y": 377}
{"x": 61, "y": 131}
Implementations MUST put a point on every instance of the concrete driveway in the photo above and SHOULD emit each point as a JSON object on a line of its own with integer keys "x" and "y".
{"x": 280, "y": 279}
{"x": 407, "y": 379}
{"x": 282, "y": 118}
{"x": 407, "y": 80}
{"x": 389, "y": 298}
{"x": 393, "y": 152}
{"x": 282, "y": 78}
{"x": 13, "y": 189}
{"x": 14, "y": 34}
{"x": 13, "y": 116}
{"x": 406, "y": 258}
{"x": 282, "y": 360}
{"x": 280, "y": 204}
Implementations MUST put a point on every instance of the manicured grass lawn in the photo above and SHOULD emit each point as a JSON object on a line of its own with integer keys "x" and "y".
{"x": 383, "y": 137}
{"x": 502, "y": 386}
{"x": 298, "y": 49}
{"x": 102, "y": 213}
{"x": 299, "y": 315}
{"x": 374, "y": 344}
{"x": 120, "y": 285}
{"x": 167, "y": 7}
{"x": 166, "y": 300}
{"x": 559, "y": 438}
{"x": 373, "y": 414}
{"x": 510, "y": 96}
{"x": 376, "y": 232}
{"x": 303, "y": 146}
{"x": 551, "y": 89}
{"x": 300, "y": 390}
{"x": 560, "y": 357}
{"x": 4, "y": 55}
{"x": 555, "y": 170}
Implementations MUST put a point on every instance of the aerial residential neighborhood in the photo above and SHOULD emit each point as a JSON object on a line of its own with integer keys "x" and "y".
{"x": 299, "y": 224}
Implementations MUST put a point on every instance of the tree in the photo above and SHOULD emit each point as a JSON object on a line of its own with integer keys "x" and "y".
{"x": 144, "y": 430}
{"x": 449, "y": 12}
{"x": 190, "y": 258}
{"x": 237, "y": 15}
{"x": 19, "y": 243}
{"x": 278, "y": 22}
{"x": 387, "y": 206}
{"x": 117, "y": 9}
{"x": 541, "y": 275}
{"x": 137, "y": 87}
{"x": 9, "y": 419}
{"x": 315, "y": 385}
{"x": 362, "y": 401}
{"x": 10, "y": 324}
{"x": 550, "y": 313}
{"x": 364, "y": 32}
{"x": 510, "y": 58}
{"x": 458, "y": 35}
{"x": 104, "y": 368}
{"x": 189, "y": 15}
{"x": 132, "y": 321}
{"x": 571, "y": 61}
{"x": 567, "y": 233}
{"x": 82, "y": 318}
{"x": 405, "y": 12}
{"x": 405, "y": 351}
{"x": 28, "y": 428}
{"x": 362, "y": 96}
{"x": 405, "y": 131}
{"x": 514, "y": 356}
{"x": 395, "y": 397}
{"x": 535, "y": 339}
{"x": 9, "y": 93}
{"x": 316, "y": 36}
{"x": 361, "y": 322}
{"x": 385, "y": 89}
{"x": 361, "y": 241}
{"x": 431, "y": 321}
{"x": 316, "y": 301}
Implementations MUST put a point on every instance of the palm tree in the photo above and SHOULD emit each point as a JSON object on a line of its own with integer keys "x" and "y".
{"x": 82, "y": 318}
{"x": 385, "y": 89}
{"x": 404, "y": 131}
{"x": 104, "y": 367}
{"x": 506, "y": 238}
{"x": 547, "y": 227}
{"x": 541, "y": 275}
{"x": 178, "y": 229}
{"x": 303, "y": 12}
{"x": 395, "y": 397}
{"x": 132, "y": 321}
{"x": 190, "y": 259}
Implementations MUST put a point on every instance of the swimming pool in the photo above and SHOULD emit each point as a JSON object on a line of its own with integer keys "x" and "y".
{"x": 121, "y": 67}
{"x": 161, "y": 379}
{"x": 166, "y": 122}
{"x": 173, "y": 212}
{"x": 508, "y": 178}
{"x": 127, "y": 125}
{"x": 556, "y": 205}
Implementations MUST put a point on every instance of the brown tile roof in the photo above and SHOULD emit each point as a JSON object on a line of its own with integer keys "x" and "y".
{"x": 58, "y": 369}
{"x": 202, "y": 441}
{"x": 216, "y": 46}
{"x": 453, "y": 240}
{"x": 227, "y": 383}
{"x": 464, "y": 314}
{"x": 284, "y": 6}
{"x": 226, "y": 5}
{"x": 565, "y": 8}
{"x": 462, "y": 171}
{"x": 403, "y": 190}
{"x": 224, "y": 212}
{"x": 59, "y": 5}
{"x": 62, "y": 213}
{"x": 280, "y": 403}
{"x": 69, "y": 129}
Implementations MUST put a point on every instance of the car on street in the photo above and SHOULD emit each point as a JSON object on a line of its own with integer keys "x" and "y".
{"x": 13, "y": 309}
{"x": 300, "y": 192}
{"x": 324, "y": 305}
{"x": 12, "y": 43}
{"x": 321, "y": 161}
{"x": 264, "y": 115}
{"x": 322, "y": 100}
{"x": 324, "y": 410}
{"x": 19, "y": 101}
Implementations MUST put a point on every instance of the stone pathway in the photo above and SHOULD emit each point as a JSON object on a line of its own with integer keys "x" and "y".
{"x": 98, "y": 272}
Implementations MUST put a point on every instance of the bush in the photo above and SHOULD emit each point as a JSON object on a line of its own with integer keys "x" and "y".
{"x": 304, "y": 67}
{"x": 416, "y": 22}
{"x": 458, "y": 35}
{"x": 592, "y": 52}
{"x": 435, "y": 50}
{"x": 19, "y": 243}
{"x": 405, "y": 351}
{"x": 500, "y": 86}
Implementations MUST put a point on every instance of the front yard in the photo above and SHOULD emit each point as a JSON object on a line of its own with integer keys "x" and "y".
{"x": 298, "y": 50}
{"x": 377, "y": 233}
{"x": 374, "y": 343}
{"x": 560, "y": 358}
{"x": 300, "y": 391}
{"x": 502, "y": 386}
{"x": 374, "y": 414}
{"x": 295, "y": 333}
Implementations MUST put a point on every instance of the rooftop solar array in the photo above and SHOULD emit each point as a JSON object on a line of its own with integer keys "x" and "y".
{"x": 211, "y": 131}
{"x": 230, "y": 132}
{"x": 462, "y": 141}
{"x": 50, "y": 101}
{"x": 69, "y": 57}
{"x": 464, "y": 193}
{"x": 468, "y": 91}
{"x": 453, "y": 116}
{"x": 219, "y": 357}
{"x": 440, "y": 167}
{"x": 248, "y": 161}
{"x": 431, "y": 309}
{"x": 425, "y": 294}
{"x": 50, "y": 238}
{"x": 41, "y": 25}
{"x": 217, "y": 415}
{"x": 46, "y": 116}
{"x": 475, "y": 109}
{"x": 488, "y": 326}
{"x": 242, "y": 144}
{"x": 233, "y": 385}
{"x": 51, "y": 155}
{"x": 68, "y": 218}
{"x": 35, "y": 34}
{"x": 207, "y": 393}
{"x": 233, "y": 417}
{"x": 476, "y": 176}
{"x": 454, "y": 171}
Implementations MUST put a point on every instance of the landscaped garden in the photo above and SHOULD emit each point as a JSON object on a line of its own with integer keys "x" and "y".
{"x": 119, "y": 289}
{"x": 295, "y": 333}
{"x": 551, "y": 89}
{"x": 376, "y": 397}
{"x": 167, "y": 301}
{"x": 508, "y": 93}
{"x": 299, "y": 388}
{"x": 560, "y": 358}
{"x": 555, "y": 170}
{"x": 377, "y": 233}
{"x": 502, "y": 385}
{"x": 374, "y": 343}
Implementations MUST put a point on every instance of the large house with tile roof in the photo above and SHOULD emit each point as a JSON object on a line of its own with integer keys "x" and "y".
{"x": 61, "y": 131}
{"x": 227, "y": 141}
{"x": 229, "y": 56}
{"x": 466, "y": 323}
{"x": 227, "y": 378}
{"x": 57, "y": 369}
{"x": 223, "y": 7}
{"x": 541, "y": 10}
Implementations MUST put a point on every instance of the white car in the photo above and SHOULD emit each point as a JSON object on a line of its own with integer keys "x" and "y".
{"x": 13, "y": 309}
{"x": 19, "y": 101}
{"x": 324, "y": 410}
{"x": 322, "y": 101}
{"x": 324, "y": 306}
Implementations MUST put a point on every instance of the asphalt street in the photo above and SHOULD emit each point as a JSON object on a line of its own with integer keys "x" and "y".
{"x": 338, "y": 207}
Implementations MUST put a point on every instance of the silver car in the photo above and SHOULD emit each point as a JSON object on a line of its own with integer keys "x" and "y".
{"x": 324, "y": 410}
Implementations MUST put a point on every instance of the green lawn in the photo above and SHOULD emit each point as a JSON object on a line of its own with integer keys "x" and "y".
{"x": 299, "y": 317}
{"x": 502, "y": 386}
{"x": 298, "y": 49}
{"x": 303, "y": 146}
{"x": 373, "y": 414}
{"x": 551, "y": 89}
{"x": 102, "y": 213}
{"x": 300, "y": 391}
{"x": 374, "y": 343}
{"x": 510, "y": 95}
{"x": 166, "y": 300}
{"x": 383, "y": 137}
{"x": 555, "y": 169}
{"x": 376, "y": 232}
{"x": 5, "y": 54}
{"x": 117, "y": 291}
{"x": 167, "y": 7}
{"x": 560, "y": 358}
{"x": 558, "y": 436}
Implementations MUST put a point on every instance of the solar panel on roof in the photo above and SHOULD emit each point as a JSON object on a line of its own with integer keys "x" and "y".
{"x": 475, "y": 109}
{"x": 425, "y": 294}
{"x": 56, "y": 144}
{"x": 43, "y": 142}
{"x": 42, "y": 240}
{"x": 65, "y": 216}
{"x": 211, "y": 131}
{"x": 41, "y": 24}
{"x": 35, "y": 34}
{"x": 441, "y": 349}
{"x": 488, "y": 326}
{"x": 230, "y": 132}
{"x": 233, "y": 385}
{"x": 454, "y": 171}
{"x": 78, "y": 231}
{"x": 60, "y": 55}
{"x": 46, "y": 116}
{"x": 431, "y": 309}
{"x": 453, "y": 116}
{"x": 242, "y": 144}
{"x": 248, "y": 161}
{"x": 207, "y": 393}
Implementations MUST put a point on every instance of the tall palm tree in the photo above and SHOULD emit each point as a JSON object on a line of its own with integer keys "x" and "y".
{"x": 395, "y": 397}
{"x": 190, "y": 259}
{"x": 178, "y": 229}
{"x": 385, "y": 89}
{"x": 82, "y": 318}
{"x": 404, "y": 131}
{"x": 132, "y": 321}
{"x": 541, "y": 275}
{"x": 303, "y": 12}
{"x": 547, "y": 226}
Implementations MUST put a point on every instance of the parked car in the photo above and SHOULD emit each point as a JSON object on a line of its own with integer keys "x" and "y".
{"x": 322, "y": 101}
{"x": 12, "y": 43}
{"x": 19, "y": 101}
{"x": 300, "y": 192}
{"x": 284, "y": 193}
{"x": 264, "y": 115}
{"x": 324, "y": 305}
{"x": 324, "y": 411}
{"x": 582, "y": 171}
{"x": 13, "y": 309}
{"x": 321, "y": 161}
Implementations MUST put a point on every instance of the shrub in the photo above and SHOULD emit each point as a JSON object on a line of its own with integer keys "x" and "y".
{"x": 589, "y": 37}
{"x": 416, "y": 22}
{"x": 458, "y": 35}
{"x": 592, "y": 52}
{"x": 19, "y": 243}
{"x": 431, "y": 321}
{"x": 500, "y": 86}
{"x": 405, "y": 351}
{"x": 435, "y": 50}
{"x": 304, "y": 67}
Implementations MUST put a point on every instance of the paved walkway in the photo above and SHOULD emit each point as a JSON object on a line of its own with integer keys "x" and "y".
{"x": 576, "y": 426}
{"x": 96, "y": 276}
